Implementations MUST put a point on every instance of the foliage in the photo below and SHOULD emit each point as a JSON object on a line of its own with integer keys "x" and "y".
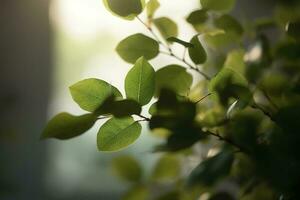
{"x": 245, "y": 110}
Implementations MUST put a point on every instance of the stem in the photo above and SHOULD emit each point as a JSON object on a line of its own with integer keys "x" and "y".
{"x": 187, "y": 63}
{"x": 228, "y": 140}
{"x": 203, "y": 98}
{"x": 256, "y": 106}
{"x": 143, "y": 118}
{"x": 153, "y": 33}
{"x": 170, "y": 52}
{"x": 269, "y": 99}
{"x": 104, "y": 117}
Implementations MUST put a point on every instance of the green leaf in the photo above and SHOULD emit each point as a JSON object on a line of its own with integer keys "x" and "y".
{"x": 120, "y": 108}
{"x": 235, "y": 61}
{"x": 228, "y": 83}
{"x": 152, "y": 110}
{"x": 89, "y": 94}
{"x": 140, "y": 82}
{"x": 173, "y": 77}
{"x": 218, "y": 5}
{"x": 197, "y": 53}
{"x": 228, "y": 32}
{"x": 198, "y": 20}
{"x": 151, "y": 7}
{"x": 183, "y": 43}
{"x": 197, "y": 17}
{"x": 126, "y": 9}
{"x": 136, "y": 46}
{"x": 167, "y": 168}
{"x": 116, "y": 134}
{"x": 127, "y": 168}
{"x": 229, "y": 24}
{"x": 138, "y": 192}
{"x": 211, "y": 170}
{"x": 65, "y": 126}
{"x": 167, "y": 27}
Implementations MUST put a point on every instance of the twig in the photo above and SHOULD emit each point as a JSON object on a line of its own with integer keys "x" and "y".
{"x": 143, "y": 118}
{"x": 187, "y": 63}
{"x": 170, "y": 52}
{"x": 228, "y": 140}
{"x": 203, "y": 98}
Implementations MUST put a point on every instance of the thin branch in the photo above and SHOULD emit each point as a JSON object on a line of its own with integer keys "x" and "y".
{"x": 170, "y": 52}
{"x": 103, "y": 117}
{"x": 256, "y": 106}
{"x": 143, "y": 118}
{"x": 154, "y": 34}
{"x": 228, "y": 140}
{"x": 269, "y": 99}
{"x": 187, "y": 63}
{"x": 203, "y": 98}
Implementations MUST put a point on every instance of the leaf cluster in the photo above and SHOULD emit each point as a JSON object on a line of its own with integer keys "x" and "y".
{"x": 244, "y": 112}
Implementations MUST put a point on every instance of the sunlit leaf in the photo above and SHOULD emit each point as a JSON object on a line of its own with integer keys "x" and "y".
{"x": 89, "y": 94}
{"x": 126, "y": 9}
{"x": 136, "y": 46}
{"x": 116, "y": 134}
{"x": 151, "y": 7}
{"x": 197, "y": 52}
{"x": 167, "y": 27}
{"x": 140, "y": 82}
{"x": 173, "y": 77}
{"x": 65, "y": 126}
{"x": 127, "y": 168}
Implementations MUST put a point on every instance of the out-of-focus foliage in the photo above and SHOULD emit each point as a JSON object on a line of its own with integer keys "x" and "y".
{"x": 244, "y": 113}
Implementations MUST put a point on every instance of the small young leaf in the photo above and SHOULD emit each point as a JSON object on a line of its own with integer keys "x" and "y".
{"x": 173, "y": 77}
{"x": 151, "y": 7}
{"x": 116, "y": 134}
{"x": 89, "y": 94}
{"x": 185, "y": 44}
{"x": 140, "y": 82}
{"x": 136, "y": 46}
{"x": 218, "y": 5}
{"x": 126, "y": 9}
{"x": 65, "y": 126}
{"x": 197, "y": 53}
{"x": 127, "y": 168}
{"x": 167, "y": 27}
